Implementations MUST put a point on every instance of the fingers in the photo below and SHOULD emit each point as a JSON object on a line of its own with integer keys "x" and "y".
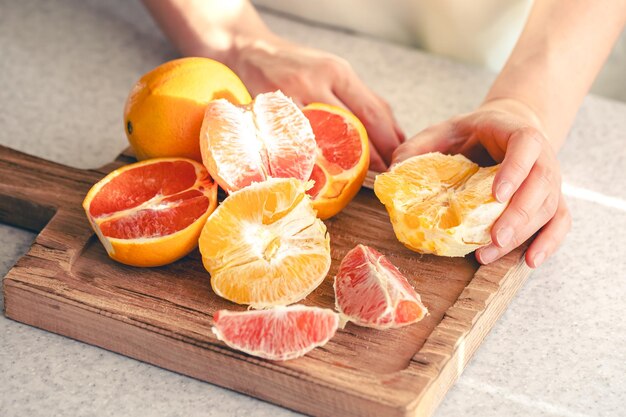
{"x": 536, "y": 200}
{"x": 376, "y": 118}
{"x": 436, "y": 138}
{"x": 550, "y": 237}
{"x": 523, "y": 148}
{"x": 376, "y": 161}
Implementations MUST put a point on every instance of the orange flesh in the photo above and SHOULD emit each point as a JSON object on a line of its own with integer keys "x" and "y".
{"x": 339, "y": 142}
{"x": 163, "y": 192}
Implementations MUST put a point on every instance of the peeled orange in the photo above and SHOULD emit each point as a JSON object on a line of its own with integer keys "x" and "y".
{"x": 371, "y": 292}
{"x": 165, "y": 108}
{"x": 440, "y": 204}
{"x": 342, "y": 157}
{"x": 264, "y": 246}
{"x": 269, "y": 138}
{"x": 279, "y": 334}
{"x": 151, "y": 213}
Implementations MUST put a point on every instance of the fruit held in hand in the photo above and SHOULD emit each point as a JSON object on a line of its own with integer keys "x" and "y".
{"x": 342, "y": 157}
{"x": 440, "y": 204}
{"x": 279, "y": 334}
{"x": 371, "y": 292}
{"x": 264, "y": 246}
{"x": 269, "y": 138}
{"x": 164, "y": 110}
{"x": 151, "y": 213}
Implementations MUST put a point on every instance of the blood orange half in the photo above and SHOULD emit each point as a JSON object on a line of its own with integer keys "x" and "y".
{"x": 278, "y": 334}
{"x": 370, "y": 291}
{"x": 151, "y": 213}
{"x": 342, "y": 157}
{"x": 269, "y": 138}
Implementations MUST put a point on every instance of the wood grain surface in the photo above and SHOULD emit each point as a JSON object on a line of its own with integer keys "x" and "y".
{"x": 67, "y": 284}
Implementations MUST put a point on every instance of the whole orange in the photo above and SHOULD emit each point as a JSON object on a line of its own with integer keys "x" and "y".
{"x": 165, "y": 108}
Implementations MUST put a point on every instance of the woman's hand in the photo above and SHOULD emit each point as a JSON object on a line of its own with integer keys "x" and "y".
{"x": 509, "y": 132}
{"x": 309, "y": 75}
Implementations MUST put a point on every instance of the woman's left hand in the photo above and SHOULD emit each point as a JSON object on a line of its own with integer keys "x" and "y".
{"x": 507, "y": 131}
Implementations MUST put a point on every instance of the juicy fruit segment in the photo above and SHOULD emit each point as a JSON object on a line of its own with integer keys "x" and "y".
{"x": 264, "y": 246}
{"x": 270, "y": 138}
{"x": 165, "y": 108}
{"x": 371, "y": 292}
{"x": 151, "y": 213}
{"x": 279, "y": 334}
{"x": 342, "y": 157}
{"x": 440, "y": 204}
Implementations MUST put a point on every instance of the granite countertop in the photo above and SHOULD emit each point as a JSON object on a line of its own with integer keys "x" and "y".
{"x": 559, "y": 350}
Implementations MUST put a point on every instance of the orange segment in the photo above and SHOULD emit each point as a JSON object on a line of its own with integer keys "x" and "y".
{"x": 151, "y": 213}
{"x": 165, "y": 108}
{"x": 279, "y": 334}
{"x": 371, "y": 292}
{"x": 440, "y": 204}
{"x": 342, "y": 157}
{"x": 264, "y": 246}
{"x": 270, "y": 138}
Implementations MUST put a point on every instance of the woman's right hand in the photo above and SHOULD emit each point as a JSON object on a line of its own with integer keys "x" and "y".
{"x": 309, "y": 75}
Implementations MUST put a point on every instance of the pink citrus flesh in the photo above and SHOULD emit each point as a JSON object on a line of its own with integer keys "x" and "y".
{"x": 370, "y": 291}
{"x": 280, "y": 333}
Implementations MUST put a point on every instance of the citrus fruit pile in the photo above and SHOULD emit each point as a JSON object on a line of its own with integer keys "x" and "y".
{"x": 440, "y": 204}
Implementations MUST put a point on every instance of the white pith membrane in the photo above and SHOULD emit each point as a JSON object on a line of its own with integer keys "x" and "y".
{"x": 447, "y": 217}
{"x": 276, "y": 231}
{"x": 380, "y": 285}
{"x": 280, "y": 337}
{"x": 269, "y": 138}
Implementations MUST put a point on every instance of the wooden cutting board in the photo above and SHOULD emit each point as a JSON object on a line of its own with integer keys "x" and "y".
{"x": 66, "y": 284}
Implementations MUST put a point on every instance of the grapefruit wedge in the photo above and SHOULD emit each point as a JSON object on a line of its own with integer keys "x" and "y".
{"x": 370, "y": 291}
{"x": 151, "y": 213}
{"x": 278, "y": 334}
{"x": 342, "y": 157}
{"x": 264, "y": 246}
{"x": 269, "y": 138}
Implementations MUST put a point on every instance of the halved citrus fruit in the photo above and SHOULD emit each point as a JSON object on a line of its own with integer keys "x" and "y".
{"x": 370, "y": 291}
{"x": 165, "y": 108}
{"x": 151, "y": 213}
{"x": 343, "y": 156}
{"x": 441, "y": 204}
{"x": 264, "y": 246}
{"x": 278, "y": 334}
{"x": 270, "y": 138}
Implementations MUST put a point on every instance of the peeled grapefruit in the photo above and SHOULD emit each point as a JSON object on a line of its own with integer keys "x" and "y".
{"x": 279, "y": 334}
{"x": 269, "y": 138}
{"x": 342, "y": 157}
{"x": 264, "y": 246}
{"x": 440, "y": 204}
{"x": 165, "y": 108}
{"x": 371, "y": 292}
{"x": 151, "y": 213}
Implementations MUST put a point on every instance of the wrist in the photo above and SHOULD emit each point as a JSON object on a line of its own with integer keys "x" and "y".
{"x": 517, "y": 107}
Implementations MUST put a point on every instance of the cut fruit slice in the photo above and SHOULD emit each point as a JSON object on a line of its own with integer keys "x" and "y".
{"x": 343, "y": 156}
{"x": 278, "y": 334}
{"x": 440, "y": 204}
{"x": 270, "y": 138}
{"x": 371, "y": 292}
{"x": 151, "y": 213}
{"x": 264, "y": 246}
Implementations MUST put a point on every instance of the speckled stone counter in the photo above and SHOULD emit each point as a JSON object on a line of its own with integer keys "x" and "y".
{"x": 559, "y": 349}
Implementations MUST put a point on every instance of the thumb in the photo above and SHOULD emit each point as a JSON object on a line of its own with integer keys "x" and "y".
{"x": 433, "y": 139}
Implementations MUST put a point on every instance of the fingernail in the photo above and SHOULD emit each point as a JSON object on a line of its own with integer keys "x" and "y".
{"x": 488, "y": 254}
{"x": 504, "y": 191}
{"x": 504, "y": 236}
{"x": 539, "y": 258}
